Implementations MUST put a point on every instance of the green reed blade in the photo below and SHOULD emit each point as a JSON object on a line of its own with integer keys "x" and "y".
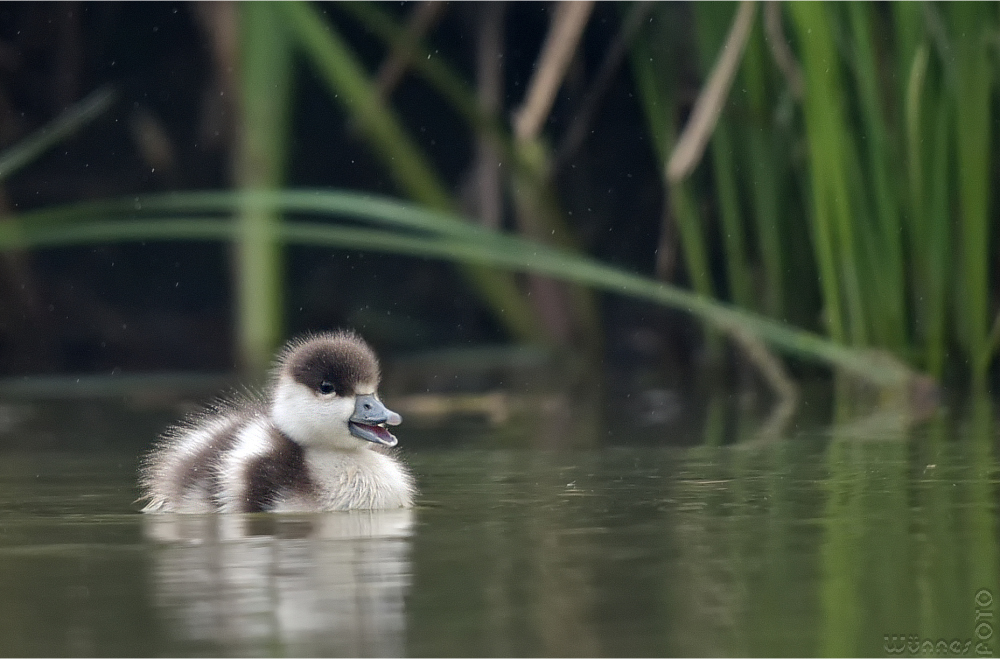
{"x": 686, "y": 216}
{"x": 833, "y": 231}
{"x": 653, "y": 73}
{"x": 260, "y": 163}
{"x": 915, "y": 161}
{"x": 740, "y": 278}
{"x": 929, "y": 225}
{"x": 472, "y": 244}
{"x": 712, "y": 21}
{"x": 345, "y": 76}
{"x": 939, "y": 236}
{"x": 658, "y": 110}
{"x": 435, "y": 70}
{"x": 865, "y": 248}
{"x": 758, "y": 165}
{"x": 652, "y": 96}
{"x": 972, "y": 27}
{"x": 351, "y": 86}
{"x": 886, "y": 260}
{"x": 73, "y": 119}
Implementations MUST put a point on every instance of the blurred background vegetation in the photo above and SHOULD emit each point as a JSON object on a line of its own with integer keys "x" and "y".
{"x": 636, "y": 191}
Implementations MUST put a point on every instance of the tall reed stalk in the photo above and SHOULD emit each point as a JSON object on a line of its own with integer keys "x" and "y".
{"x": 657, "y": 99}
{"x": 882, "y": 158}
{"x": 972, "y": 27}
{"x": 349, "y": 84}
{"x": 711, "y": 24}
{"x": 261, "y": 151}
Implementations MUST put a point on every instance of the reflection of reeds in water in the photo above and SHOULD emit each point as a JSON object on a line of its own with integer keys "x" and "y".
{"x": 741, "y": 582}
{"x": 828, "y": 549}
{"x": 910, "y": 537}
{"x": 536, "y": 568}
{"x": 565, "y": 596}
{"x": 704, "y": 582}
{"x": 512, "y": 558}
{"x": 325, "y": 584}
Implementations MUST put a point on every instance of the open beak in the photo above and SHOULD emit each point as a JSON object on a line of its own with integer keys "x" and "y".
{"x": 370, "y": 419}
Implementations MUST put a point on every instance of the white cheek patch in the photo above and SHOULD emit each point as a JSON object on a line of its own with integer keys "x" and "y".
{"x": 293, "y": 406}
{"x": 336, "y": 412}
{"x": 310, "y": 419}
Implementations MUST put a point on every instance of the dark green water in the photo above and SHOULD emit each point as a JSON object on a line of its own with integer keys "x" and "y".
{"x": 811, "y": 546}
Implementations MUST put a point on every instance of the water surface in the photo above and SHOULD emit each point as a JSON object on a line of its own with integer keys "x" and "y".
{"x": 818, "y": 544}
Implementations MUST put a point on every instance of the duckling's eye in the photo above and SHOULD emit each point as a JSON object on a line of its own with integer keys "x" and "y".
{"x": 326, "y": 387}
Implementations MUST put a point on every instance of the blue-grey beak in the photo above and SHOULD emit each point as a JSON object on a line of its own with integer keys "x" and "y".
{"x": 369, "y": 420}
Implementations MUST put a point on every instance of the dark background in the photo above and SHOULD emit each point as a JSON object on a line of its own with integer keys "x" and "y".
{"x": 168, "y": 306}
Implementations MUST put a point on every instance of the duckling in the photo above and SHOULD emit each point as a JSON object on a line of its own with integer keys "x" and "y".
{"x": 315, "y": 441}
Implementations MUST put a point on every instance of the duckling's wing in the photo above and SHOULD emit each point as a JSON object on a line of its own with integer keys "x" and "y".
{"x": 275, "y": 474}
{"x": 181, "y": 472}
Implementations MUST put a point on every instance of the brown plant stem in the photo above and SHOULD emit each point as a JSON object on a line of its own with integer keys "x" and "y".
{"x": 422, "y": 19}
{"x": 560, "y": 44}
{"x": 707, "y": 108}
{"x": 780, "y": 51}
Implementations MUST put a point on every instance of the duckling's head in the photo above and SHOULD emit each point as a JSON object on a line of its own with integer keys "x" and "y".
{"x": 324, "y": 393}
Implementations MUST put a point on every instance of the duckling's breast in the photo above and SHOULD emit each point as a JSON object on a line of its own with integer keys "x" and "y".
{"x": 354, "y": 480}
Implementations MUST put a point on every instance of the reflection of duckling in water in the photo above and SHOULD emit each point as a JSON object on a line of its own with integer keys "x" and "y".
{"x": 315, "y": 443}
{"x": 311, "y": 584}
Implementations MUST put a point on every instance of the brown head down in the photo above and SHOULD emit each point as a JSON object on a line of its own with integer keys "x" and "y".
{"x": 337, "y": 362}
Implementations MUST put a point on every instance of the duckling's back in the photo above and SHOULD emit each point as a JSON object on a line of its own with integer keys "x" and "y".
{"x": 183, "y": 472}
